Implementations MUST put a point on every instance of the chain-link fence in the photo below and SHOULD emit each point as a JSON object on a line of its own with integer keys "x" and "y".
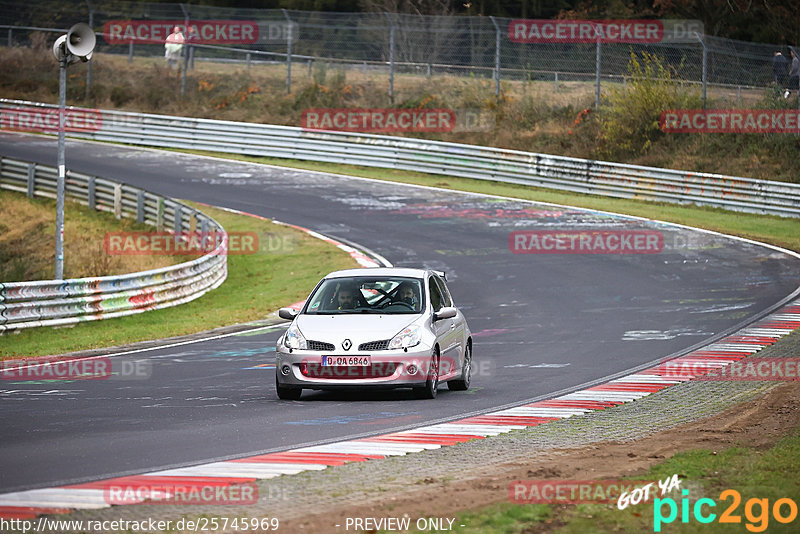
{"x": 389, "y": 44}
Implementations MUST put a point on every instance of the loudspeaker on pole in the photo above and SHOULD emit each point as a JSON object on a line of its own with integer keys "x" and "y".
{"x": 77, "y": 44}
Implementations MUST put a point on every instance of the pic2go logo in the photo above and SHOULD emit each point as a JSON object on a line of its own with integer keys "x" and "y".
{"x": 756, "y": 511}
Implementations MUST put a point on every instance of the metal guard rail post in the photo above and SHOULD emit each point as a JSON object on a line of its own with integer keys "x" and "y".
{"x": 64, "y": 302}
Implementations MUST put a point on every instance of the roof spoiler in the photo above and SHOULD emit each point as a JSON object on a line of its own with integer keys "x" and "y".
{"x": 441, "y": 273}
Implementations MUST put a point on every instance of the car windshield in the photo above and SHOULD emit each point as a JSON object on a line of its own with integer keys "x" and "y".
{"x": 366, "y": 294}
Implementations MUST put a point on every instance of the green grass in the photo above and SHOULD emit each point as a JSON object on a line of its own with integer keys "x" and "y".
{"x": 769, "y": 474}
{"x": 780, "y": 231}
{"x": 503, "y": 518}
{"x": 257, "y": 284}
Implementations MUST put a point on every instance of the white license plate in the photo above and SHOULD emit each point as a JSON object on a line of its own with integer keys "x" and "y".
{"x": 347, "y": 361}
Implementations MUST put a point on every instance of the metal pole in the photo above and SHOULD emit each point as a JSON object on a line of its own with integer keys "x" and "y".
{"x": 288, "y": 51}
{"x": 31, "y": 180}
{"x": 130, "y": 52}
{"x": 89, "y": 65}
{"x": 793, "y": 49}
{"x": 391, "y": 57}
{"x": 705, "y": 75}
{"x": 183, "y": 74}
{"x": 705, "y": 66}
{"x": 185, "y": 48}
{"x": 496, "y": 58}
{"x": 189, "y": 45}
{"x": 597, "y": 73}
{"x": 62, "y": 104}
{"x": 185, "y": 19}
{"x": 9, "y": 38}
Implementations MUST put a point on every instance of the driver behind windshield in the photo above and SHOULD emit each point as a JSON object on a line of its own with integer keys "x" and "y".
{"x": 407, "y": 295}
{"x": 346, "y": 298}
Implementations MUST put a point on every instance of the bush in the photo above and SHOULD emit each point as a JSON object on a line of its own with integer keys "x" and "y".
{"x": 421, "y": 101}
{"x": 320, "y": 72}
{"x": 120, "y": 95}
{"x": 531, "y": 110}
{"x": 334, "y": 95}
{"x": 629, "y": 120}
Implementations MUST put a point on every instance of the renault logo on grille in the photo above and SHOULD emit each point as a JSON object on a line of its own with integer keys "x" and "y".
{"x": 347, "y": 344}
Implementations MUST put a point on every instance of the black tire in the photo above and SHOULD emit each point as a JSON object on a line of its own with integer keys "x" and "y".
{"x": 285, "y": 393}
{"x": 462, "y": 384}
{"x": 431, "y": 387}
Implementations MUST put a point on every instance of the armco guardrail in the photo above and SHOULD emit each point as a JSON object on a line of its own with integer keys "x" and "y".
{"x": 61, "y": 302}
{"x": 484, "y": 163}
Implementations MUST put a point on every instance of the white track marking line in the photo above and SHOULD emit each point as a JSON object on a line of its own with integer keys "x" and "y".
{"x": 57, "y": 498}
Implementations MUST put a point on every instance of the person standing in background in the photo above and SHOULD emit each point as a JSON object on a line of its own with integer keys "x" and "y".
{"x": 173, "y": 47}
{"x": 794, "y": 75}
{"x": 779, "y": 66}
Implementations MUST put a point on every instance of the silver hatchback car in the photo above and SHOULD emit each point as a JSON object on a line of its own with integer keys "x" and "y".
{"x": 375, "y": 328}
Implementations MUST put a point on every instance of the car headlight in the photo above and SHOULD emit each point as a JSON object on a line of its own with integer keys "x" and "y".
{"x": 408, "y": 337}
{"x": 294, "y": 339}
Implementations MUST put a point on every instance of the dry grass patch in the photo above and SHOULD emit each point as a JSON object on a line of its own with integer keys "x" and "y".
{"x": 28, "y": 240}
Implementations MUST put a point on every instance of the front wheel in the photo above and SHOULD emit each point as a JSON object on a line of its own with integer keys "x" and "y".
{"x": 285, "y": 393}
{"x": 462, "y": 384}
{"x": 431, "y": 387}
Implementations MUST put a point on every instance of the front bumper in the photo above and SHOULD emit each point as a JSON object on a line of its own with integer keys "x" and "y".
{"x": 389, "y": 369}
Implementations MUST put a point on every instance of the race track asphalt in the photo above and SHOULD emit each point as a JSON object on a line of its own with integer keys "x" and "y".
{"x": 542, "y": 322}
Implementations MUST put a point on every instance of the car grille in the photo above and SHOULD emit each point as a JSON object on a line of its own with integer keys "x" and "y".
{"x": 319, "y": 345}
{"x": 381, "y": 370}
{"x": 374, "y": 345}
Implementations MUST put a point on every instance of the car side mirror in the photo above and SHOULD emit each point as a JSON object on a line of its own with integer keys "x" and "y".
{"x": 447, "y": 312}
{"x": 287, "y": 313}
